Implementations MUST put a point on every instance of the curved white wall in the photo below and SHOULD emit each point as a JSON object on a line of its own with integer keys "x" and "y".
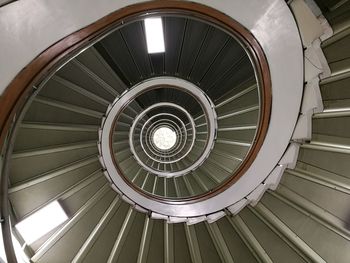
{"x": 29, "y": 27}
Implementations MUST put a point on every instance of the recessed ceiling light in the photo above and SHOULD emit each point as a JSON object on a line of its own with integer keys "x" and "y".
{"x": 41, "y": 222}
{"x": 154, "y": 35}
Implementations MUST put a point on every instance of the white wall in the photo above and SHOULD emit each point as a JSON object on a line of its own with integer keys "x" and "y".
{"x": 28, "y": 27}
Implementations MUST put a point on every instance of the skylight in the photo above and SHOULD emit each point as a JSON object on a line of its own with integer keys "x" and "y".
{"x": 154, "y": 35}
{"x": 41, "y": 222}
{"x": 164, "y": 138}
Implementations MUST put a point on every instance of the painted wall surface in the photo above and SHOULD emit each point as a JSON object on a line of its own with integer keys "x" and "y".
{"x": 29, "y": 27}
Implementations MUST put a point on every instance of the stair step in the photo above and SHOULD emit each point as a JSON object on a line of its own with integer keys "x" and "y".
{"x": 52, "y": 174}
{"x": 69, "y": 107}
{"x": 87, "y": 209}
{"x": 28, "y": 164}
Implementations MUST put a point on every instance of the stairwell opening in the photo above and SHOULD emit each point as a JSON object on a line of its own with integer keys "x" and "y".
{"x": 164, "y": 138}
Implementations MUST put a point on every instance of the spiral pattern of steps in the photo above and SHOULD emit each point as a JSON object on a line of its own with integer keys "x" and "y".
{"x": 57, "y": 156}
{"x": 212, "y": 100}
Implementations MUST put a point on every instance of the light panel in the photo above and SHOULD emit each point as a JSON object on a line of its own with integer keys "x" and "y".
{"x": 41, "y": 222}
{"x": 154, "y": 35}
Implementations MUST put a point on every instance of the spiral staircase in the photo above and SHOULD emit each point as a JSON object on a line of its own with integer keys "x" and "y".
{"x": 86, "y": 137}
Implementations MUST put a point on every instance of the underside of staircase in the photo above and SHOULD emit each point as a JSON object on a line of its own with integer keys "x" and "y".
{"x": 56, "y": 156}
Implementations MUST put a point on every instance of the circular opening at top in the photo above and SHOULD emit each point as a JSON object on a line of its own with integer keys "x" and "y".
{"x": 164, "y": 138}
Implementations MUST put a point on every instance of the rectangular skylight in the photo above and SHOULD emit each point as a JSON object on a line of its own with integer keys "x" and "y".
{"x": 154, "y": 35}
{"x": 41, "y": 222}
